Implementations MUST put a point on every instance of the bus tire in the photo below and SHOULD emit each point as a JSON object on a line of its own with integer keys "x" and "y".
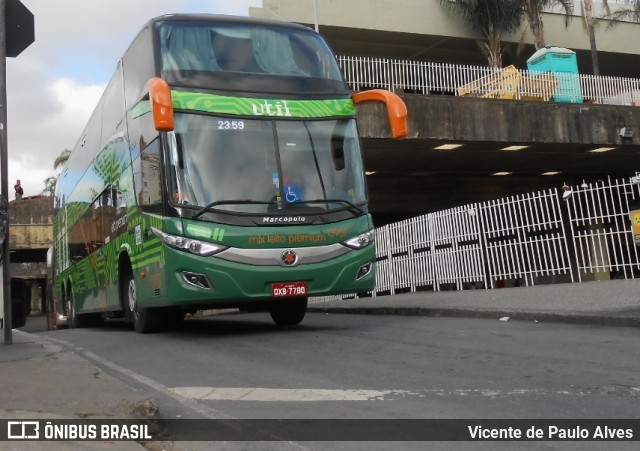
{"x": 289, "y": 312}
{"x": 74, "y": 321}
{"x": 145, "y": 320}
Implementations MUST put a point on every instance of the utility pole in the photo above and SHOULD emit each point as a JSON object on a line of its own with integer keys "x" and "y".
{"x": 315, "y": 15}
{"x": 16, "y": 34}
{"x": 4, "y": 185}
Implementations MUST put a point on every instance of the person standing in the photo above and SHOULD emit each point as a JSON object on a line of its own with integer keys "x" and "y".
{"x": 19, "y": 190}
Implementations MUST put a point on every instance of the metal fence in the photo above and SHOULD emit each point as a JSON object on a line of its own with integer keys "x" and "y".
{"x": 423, "y": 77}
{"x": 552, "y": 236}
{"x": 601, "y": 229}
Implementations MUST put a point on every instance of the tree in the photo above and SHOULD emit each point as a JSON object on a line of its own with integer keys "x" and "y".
{"x": 590, "y": 22}
{"x": 629, "y": 13}
{"x": 49, "y": 185}
{"x": 489, "y": 18}
{"x": 62, "y": 159}
{"x": 533, "y": 12}
{"x": 50, "y": 182}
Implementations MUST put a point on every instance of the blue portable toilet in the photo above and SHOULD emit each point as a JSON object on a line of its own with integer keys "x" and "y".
{"x": 564, "y": 65}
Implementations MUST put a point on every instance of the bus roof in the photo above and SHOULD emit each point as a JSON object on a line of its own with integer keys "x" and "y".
{"x": 223, "y": 18}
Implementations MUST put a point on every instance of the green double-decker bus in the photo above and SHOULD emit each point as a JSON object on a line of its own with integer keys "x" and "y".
{"x": 222, "y": 168}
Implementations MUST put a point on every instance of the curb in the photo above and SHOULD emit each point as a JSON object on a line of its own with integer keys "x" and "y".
{"x": 599, "y": 319}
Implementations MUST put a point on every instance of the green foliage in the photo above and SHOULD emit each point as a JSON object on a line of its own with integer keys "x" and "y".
{"x": 489, "y": 18}
{"x": 567, "y": 6}
{"x": 49, "y": 186}
{"x": 533, "y": 11}
{"x": 62, "y": 159}
{"x": 505, "y": 16}
{"x": 629, "y": 12}
{"x": 50, "y": 182}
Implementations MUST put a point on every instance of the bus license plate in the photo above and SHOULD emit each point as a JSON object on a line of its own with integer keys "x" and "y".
{"x": 288, "y": 289}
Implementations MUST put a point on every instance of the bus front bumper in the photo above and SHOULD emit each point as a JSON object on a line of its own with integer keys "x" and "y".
{"x": 195, "y": 280}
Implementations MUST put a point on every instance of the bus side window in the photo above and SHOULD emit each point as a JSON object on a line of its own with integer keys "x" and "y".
{"x": 147, "y": 178}
{"x": 119, "y": 202}
{"x": 78, "y": 239}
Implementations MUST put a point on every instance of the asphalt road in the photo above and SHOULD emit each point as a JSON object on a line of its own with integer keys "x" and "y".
{"x": 358, "y": 366}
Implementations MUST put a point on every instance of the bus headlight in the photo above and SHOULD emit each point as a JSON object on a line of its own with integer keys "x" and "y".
{"x": 361, "y": 241}
{"x": 197, "y": 247}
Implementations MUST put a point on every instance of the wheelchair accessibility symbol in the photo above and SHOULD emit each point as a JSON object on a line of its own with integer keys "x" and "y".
{"x": 292, "y": 194}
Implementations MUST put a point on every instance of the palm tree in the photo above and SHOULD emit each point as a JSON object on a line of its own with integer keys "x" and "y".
{"x": 590, "y": 22}
{"x": 630, "y": 13}
{"x": 50, "y": 182}
{"x": 491, "y": 19}
{"x": 49, "y": 185}
{"x": 533, "y": 11}
{"x": 62, "y": 159}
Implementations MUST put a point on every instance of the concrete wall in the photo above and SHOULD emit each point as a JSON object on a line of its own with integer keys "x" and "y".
{"x": 473, "y": 119}
{"x": 31, "y": 270}
{"x": 411, "y": 177}
{"x": 30, "y": 223}
{"x": 429, "y": 17}
{"x": 30, "y": 235}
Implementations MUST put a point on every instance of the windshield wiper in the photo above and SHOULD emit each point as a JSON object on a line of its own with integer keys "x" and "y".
{"x": 210, "y": 206}
{"x": 353, "y": 208}
{"x": 350, "y": 206}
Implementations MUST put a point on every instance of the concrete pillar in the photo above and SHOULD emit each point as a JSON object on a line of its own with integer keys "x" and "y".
{"x": 36, "y": 298}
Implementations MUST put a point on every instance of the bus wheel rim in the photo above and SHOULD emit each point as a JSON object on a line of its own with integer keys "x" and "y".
{"x": 132, "y": 296}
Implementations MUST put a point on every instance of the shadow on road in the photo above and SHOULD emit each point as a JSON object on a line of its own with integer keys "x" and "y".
{"x": 226, "y": 324}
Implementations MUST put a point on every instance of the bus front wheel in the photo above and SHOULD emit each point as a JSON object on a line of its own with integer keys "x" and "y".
{"x": 145, "y": 320}
{"x": 289, "y": 312}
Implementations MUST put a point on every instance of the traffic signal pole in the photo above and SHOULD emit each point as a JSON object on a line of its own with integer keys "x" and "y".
{"x": 15, "y": 36}
{"x": 4, "y": 184}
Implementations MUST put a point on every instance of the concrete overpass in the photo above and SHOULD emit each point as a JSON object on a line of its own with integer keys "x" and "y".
{"x": 411, "y": 177}
{"x": 424, "y": 30}
{"x": 30, "y": 236}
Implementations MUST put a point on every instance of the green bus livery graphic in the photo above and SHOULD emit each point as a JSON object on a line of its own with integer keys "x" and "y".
{"x": 209, "y": 178}
{"x": 211, "y": 103}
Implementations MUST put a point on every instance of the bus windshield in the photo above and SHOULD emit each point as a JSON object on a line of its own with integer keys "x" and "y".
{"x": 264, "y": 167}
{"x": 220, "y": 54}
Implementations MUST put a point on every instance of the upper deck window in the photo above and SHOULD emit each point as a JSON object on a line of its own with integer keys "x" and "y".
{"x": 246, "y": 53}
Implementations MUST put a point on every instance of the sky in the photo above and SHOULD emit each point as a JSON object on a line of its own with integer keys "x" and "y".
{"x": 54, "y": 84}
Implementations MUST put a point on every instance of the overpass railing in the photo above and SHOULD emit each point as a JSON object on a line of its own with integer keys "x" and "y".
{"x": 553, "y": 236}
{"x": 423, "y": 77}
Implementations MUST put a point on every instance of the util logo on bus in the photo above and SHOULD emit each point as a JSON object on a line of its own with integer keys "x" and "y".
{"x": 272, "y": 108}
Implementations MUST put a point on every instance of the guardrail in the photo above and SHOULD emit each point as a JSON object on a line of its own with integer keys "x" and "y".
{"x": 557, "y": 235}
{"x": 423, "y": 77}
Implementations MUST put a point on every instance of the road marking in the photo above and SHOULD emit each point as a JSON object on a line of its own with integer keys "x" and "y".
{"x": 319, "y": 395}
{"x": 280, "y": 394}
